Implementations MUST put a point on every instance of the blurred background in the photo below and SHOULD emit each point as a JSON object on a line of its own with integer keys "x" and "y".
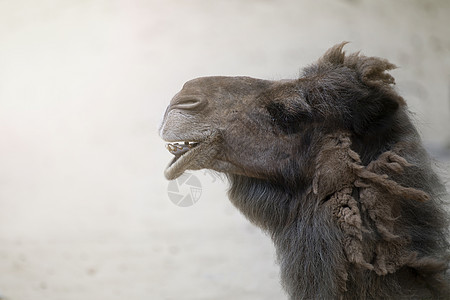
{"x": 84, "y": 206}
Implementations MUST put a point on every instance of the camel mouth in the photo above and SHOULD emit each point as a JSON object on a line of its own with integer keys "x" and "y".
{"x": 184, "y": 158}
{"x": 196, "y": 154}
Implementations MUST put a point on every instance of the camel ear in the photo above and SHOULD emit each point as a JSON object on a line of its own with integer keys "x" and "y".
{"x": 372, "y": 115}
{"x": 369, "y": 96}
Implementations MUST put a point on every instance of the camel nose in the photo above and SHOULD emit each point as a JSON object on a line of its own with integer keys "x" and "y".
{"x": 194, "y": 103}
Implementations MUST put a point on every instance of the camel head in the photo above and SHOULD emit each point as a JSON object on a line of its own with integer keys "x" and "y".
{"x": 272, "y": 129}
{"x": 214, "y": 123}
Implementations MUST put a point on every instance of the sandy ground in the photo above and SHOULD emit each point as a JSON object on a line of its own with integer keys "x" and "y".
{"x": 84, "y": 207}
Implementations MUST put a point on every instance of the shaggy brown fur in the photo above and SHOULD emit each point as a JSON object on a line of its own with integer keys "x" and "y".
{"x": 332, "y": 168}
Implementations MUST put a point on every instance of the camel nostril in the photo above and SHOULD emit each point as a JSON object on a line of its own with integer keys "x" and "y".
{"x": 189, "y": 103}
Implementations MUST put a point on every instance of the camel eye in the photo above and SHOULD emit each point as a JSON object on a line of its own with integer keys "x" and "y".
{"x": 290, "y": 121}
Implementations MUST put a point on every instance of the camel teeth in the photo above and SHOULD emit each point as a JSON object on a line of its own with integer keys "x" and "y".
{"x": 179, "y": 148}
{"x": 184, "y": 142}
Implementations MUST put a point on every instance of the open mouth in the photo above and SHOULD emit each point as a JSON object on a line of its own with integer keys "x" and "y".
{"x": 185, "y": 153}
{"x": 191, "y": 155}
{"x": 180, "y": 149}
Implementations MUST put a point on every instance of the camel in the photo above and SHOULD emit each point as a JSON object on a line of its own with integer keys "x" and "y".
{"x": 331, "y": 166}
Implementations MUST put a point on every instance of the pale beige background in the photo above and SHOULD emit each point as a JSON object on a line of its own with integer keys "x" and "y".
{"x": 84, "y": 211}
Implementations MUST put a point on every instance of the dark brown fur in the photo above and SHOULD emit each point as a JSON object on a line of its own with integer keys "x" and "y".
{"x": 341, "y": 182}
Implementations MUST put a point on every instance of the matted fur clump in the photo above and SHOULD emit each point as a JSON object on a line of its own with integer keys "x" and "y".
{"x": 332, "y": 168}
